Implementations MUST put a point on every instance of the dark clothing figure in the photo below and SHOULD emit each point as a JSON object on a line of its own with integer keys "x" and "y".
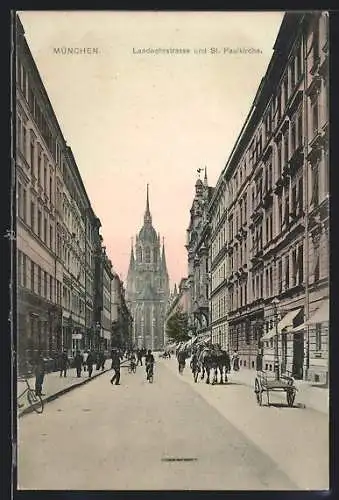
{"x": 63, "y": 364}
{"x": 101, "y": 361}
{"x": 139, "y": 356}
{"x": 78, "y": 361}
{"x": 90, "y": 363}
{"x": 116, "y": 368}
{"x": 181, "y": 356}
{"x": 149, "y": 362}
{"x": 39, "y": 371}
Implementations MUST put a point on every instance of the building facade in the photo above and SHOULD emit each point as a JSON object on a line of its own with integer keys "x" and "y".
{"x": 62, "y": 291}
{"x": 275, "y": 185}
{"x": 197, "y": 246}
{"x": 148, "y": 286}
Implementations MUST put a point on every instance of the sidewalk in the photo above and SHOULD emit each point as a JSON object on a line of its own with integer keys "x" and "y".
{"x": 307, "y": 396}
{"x": 54, "y": 386}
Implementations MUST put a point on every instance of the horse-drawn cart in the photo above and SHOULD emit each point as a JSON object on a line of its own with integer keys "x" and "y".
{"x": 267, "y": 382}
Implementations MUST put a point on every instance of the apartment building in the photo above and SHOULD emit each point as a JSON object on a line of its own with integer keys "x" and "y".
{"x": 218, "y": 257}
{"x": 58, "y": 241}
{"x": 197, "y": 246}
{"x": 275, "y": 191}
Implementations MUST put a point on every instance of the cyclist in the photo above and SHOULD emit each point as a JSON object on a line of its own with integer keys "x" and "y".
{"x": 149, "y": 362}
{"x": 132, "y": 360}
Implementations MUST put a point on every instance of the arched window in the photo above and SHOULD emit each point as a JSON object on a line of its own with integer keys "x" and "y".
{"x": 155, "y": 256}
{"x": 147, "y": 255}
{"x": 139, "y": 254}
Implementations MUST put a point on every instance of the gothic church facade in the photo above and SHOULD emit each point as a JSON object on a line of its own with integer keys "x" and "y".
{"x": 147, "y": 290}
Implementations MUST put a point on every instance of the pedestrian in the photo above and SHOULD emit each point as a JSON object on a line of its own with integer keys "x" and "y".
{"x": 235, "y": 360}
{"x": 63, "y": 363}
{"x": 102, "y": 361}
{"x": 115, "y": 367}
{"x": 78, "y": 361}
{"x": 39, "y": 371}
{"x": 85, "y": 356}
{"x": 181, "y": 356}
{"x": 139, "y": 357}
{"x": 90, "y": 363}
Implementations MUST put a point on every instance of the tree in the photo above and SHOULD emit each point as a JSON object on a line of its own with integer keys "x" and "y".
{"x": 177, "y": 327}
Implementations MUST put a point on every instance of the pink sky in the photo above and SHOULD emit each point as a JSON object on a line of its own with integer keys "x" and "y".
{"x": 136, "y": 119}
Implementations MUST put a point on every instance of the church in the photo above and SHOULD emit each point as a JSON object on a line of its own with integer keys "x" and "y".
{"x": 147, "y": 290}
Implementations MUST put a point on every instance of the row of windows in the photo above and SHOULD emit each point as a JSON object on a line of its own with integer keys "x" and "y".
{"x": 73, "y": 302}
{"x": 34, "y": 278}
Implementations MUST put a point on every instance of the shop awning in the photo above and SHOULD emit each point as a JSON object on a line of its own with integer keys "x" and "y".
{"x": 320, "y": 315}
{"x": 285, "y": 322}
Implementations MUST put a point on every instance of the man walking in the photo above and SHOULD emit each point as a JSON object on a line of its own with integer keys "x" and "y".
{"x": 39, "y": 371}
{"x": 63, "y": 363}
{"x": 78, "y": 361}
{"x": 115, "y": 367}
{"x": 90, "y": 363}
{"x": 139, "y": 357}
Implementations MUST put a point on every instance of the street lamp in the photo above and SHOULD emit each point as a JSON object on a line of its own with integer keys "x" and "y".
{"x": 275, "y": 303}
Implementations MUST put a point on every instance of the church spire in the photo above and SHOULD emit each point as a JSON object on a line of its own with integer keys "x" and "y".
{"x": 131, "y": 260}
{"x": 205, "y": 178}
{"x": 163, "y": 256}
{"x": 147, "y": 216}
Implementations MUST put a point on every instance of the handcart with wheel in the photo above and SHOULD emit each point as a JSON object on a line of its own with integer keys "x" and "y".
{"x": 267, "y": 382}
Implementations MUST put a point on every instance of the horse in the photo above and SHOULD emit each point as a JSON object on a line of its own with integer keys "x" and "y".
{"x": 222, "y": 362}
{"x": 207, "y": 362}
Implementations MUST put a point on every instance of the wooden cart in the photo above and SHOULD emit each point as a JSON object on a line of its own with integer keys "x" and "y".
{"x": 266, "y": 382}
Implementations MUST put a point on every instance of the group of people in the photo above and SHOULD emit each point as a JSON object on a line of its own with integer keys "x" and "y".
{"x": 85, "y": 361}
{"x": 134, "y": 357}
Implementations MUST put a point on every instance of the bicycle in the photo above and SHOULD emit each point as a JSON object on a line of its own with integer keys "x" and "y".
{"x": 132, "y": 368}
{"x": 34, "y": 399}
{"x": 150, "y": 373}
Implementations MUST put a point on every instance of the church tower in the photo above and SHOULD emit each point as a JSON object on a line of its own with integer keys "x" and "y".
{"x": 147, "y": 288}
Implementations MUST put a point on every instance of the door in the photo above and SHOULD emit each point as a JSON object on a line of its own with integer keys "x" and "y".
{"x": 298, "y": 355}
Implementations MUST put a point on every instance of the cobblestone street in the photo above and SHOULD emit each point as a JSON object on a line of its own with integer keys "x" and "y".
{"x": 173, "y": 434}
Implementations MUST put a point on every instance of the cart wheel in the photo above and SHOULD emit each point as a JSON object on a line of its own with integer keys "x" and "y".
{"x": 258, "y": 392}
{"x": 290, "y": 396}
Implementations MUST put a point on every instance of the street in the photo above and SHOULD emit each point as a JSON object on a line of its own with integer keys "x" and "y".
{"x": 172, "y": 434}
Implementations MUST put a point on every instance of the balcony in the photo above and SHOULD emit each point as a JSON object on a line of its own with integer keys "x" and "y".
{"x": 279, "y": 186}
{"x": 267, "y": 198}
{"x": 296, "y": 161}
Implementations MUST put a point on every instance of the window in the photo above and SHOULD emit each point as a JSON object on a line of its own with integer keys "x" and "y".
{"x": 287, "y": 272}
{"x": 32, "y": 276}
{"x": 24, "y": 270}
{"x": 315, "y": 114}
{"x": 286, "y": 148}
{"x": 39, "y": 280}
{"x": 285, "y": 90}
{"x": 19, "y": 206}
{"x": 300, "y": 196}
{"x": 24, "y": 136}
{"x": 294, "y": 267}
{"x": 294, "y": 201}
{"x": 287, "y": 209}
{"x": 45, "y": 176}
{"x": 32, "y": 154}
{"x": 292, "y": 70}
{"x": 24, "y": 205}
{"x": 279, "y": 158}
{"x": 299, "y": 62}
{"x": 301, "y": 265}
{"x": 39, "y": 167}
{"x": 50, "y": 188}
{"x": 315, "y": 185}
{"x": 51, "y": 236}
{"x": 300, "y": 130}
{"x": 280, "y": 213}
{"x": 51, "y": 287}
{"x": 293, "y": 136}
{"x": 45, "y": 284}
{"x": 39, "y": 223}
{"x": 32, "y": 216}
{"x": 316, "y": 265}
{"x": 147, "y": 255}
{"x": 45, "y": 230}
{"x": 315, "y": 42}
{"x": 318, "y": 337}
{"x": 280, "y": 276}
